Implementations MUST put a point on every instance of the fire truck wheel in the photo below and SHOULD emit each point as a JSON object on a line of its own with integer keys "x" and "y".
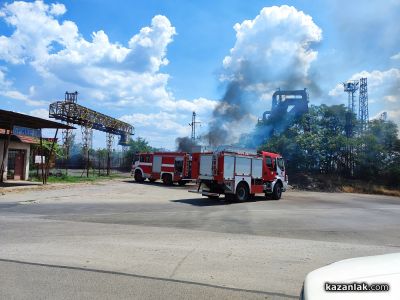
{"x": 138, "y": 176}
{"x": 167, "y": 179}
{"x": 277, "y": 193}
{"x": 242, "y": 192}
{"x": 181, "y": 182}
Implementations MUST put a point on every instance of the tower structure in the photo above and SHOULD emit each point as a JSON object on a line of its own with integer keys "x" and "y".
{"x": 110, "y": 143}
{"x": 67, "y": 133}
{"x": 193, "y": 125}
{"x": 351, "y": 87}
{"x": 363, "y": 114}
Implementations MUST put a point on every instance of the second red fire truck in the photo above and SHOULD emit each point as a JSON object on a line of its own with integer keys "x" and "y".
{"x": 240, "y": 174}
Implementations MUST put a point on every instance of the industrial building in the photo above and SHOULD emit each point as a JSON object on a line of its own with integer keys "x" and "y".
{"x": 17, "y": 133}
{"x": 18, "y": 157}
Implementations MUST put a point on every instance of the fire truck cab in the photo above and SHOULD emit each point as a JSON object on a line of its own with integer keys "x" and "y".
{"x": 170, "y": 167}
{"x": 240, "y": 174}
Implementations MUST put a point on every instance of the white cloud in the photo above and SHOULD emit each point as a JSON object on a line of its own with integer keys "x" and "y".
{"x": 3, "y": 81}
{"x": 16, "y": 95}
{"x": 7, "y": 90}
{"x": 274, "y": 46}
{"x": 40, "y": 113}
{"x": 122, "y": 75}
{"x": 113, "y": 74}
{"x": 200, "y": 105}
{"x": 272, "y": 50}
{"x": 383, "y": 91}
{"x": 382, "y": 85}
{"x": 58, "y": 9}
{"x": 160, "y": 128}
{"x": 148, "y": 48}
{"x": 396, "y": 56}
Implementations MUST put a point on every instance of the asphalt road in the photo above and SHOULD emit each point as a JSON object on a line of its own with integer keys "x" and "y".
{"x": 125, "y": 240}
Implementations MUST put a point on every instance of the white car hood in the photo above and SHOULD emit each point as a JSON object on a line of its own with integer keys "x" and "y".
{"x": 369, "y": 269}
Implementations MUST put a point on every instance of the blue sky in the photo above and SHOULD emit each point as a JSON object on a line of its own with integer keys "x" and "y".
{"x": 151, "y": 63}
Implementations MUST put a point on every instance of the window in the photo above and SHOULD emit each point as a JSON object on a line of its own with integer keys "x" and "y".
{"x": 178, "y": 165}
{"x": 144, "y": 158}
{"x": 268, "y": 162}
{"x": 243, "y": 166}
{"x": 229, "y": 165}
{"x": 281, "y": 163}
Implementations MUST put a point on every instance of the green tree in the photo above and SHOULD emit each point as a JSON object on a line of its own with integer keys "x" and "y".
{"x": 378, "y": 155}
{"x": 139, "y": 145}
{"x": 317, "y": 142}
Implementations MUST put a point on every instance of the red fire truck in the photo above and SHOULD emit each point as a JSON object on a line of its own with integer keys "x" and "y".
{"x": 170, "y": 167}
{"x": 239, "y": 174}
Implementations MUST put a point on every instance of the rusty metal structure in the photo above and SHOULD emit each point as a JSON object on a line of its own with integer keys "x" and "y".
{"x": 286, "y": 107}
{"x": 71, "y": 112}
{"x": 288, "y": 104}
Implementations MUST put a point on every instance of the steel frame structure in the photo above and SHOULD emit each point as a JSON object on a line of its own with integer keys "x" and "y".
{"x": 363, "y": 114}
{"x": 351, "y": 87}
{"x": 72, "y": 113}
{"x": 193, "y": 125}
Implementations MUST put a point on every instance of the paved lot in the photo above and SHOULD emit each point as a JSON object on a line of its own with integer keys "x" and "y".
{"x": 120, "y": 239}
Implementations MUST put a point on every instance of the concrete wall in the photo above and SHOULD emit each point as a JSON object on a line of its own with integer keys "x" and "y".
{"x": 20, "y": 146}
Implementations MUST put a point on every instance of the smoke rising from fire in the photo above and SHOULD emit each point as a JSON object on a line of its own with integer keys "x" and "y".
{"x": 273, "y": 50}
{"x": 185, "y": 144}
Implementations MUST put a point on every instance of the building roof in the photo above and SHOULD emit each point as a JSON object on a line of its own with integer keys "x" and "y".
{"x": 8, "y": 119}
{"x": 19, "y": 138}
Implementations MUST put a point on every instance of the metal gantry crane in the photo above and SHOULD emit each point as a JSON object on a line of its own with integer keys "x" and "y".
{"x": 72, "y": 113}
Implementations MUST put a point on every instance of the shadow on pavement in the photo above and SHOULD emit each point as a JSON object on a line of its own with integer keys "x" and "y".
{"x": 214, "y": 202}
{"x": 17, "y": 183}
{"x": 160, "y": 184}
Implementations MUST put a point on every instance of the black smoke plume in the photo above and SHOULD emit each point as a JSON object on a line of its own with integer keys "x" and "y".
{"x": 230, "y": 110}
{"x": 185, "y": 144}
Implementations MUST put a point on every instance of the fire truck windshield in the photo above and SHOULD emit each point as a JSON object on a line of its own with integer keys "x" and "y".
{"x": 281, "y": 163}
{"x": 268, "y": 162}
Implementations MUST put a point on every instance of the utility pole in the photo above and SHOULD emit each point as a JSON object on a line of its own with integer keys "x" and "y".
{"x": 109, "y": 141}
{"x": 193, "y": 125}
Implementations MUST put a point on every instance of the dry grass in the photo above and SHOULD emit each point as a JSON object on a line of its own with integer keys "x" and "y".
{"x": 330, "y": 183}
{"x": 370, "y": 189}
